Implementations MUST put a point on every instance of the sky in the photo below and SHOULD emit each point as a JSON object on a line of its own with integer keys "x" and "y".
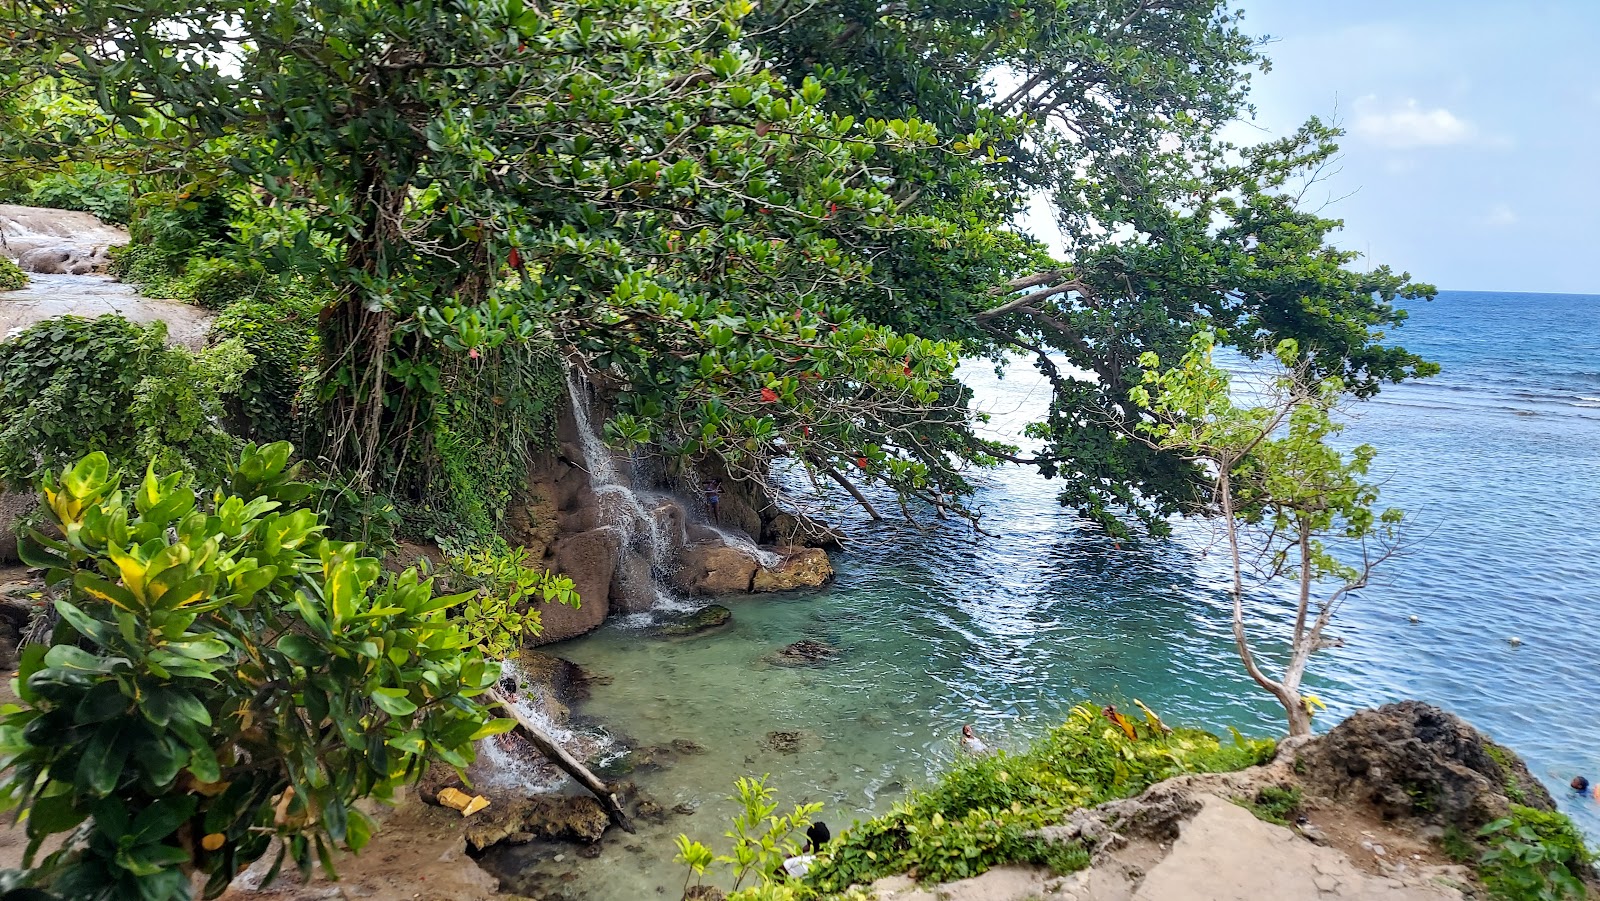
{"x": 1472, "y": 158}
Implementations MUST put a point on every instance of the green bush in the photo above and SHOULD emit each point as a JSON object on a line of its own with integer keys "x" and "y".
{"x": 11, "y": 276}
{"x": 222, "y": 674}
{"x": 69, "y": 386}
{"x": 279, "y": 329}
{"x": 1533, "y": 855}
{"x": 87, "y": 189}
{"x": 982, "y": 813}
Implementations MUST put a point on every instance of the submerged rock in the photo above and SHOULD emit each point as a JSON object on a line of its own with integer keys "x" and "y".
{"x": 1414, "y": 760}
{"x": 701, "y": 621}
{"x": 799, "y": 568}
{"x": 804, "y": 651}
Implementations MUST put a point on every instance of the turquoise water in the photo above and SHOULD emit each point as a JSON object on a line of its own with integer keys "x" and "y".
{"x": 1496, "y": 460}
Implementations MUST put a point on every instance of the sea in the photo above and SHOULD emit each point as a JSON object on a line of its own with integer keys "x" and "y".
{"x": 1496, "y": 461}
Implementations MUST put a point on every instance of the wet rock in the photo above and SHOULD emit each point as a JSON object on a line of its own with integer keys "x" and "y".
{"x": 1414, "y": 760}
{"x": 633, "y": 588}
{"x": 685, "y": 746}
{"x": 712, "y": 568}
{"x": 806, "y": 650}
{"x": 799, "y": 568}
{"x": 686, "y": 809}
{"x": 549, "y": 818}
{"x": 589, "y": 559}
{"x": 590, "y": 852}
{"x": 650, "y": 810}
{"x": 701, "y": 621}
{"x": 785, "y": 742}
{"x": 57, "y": 242}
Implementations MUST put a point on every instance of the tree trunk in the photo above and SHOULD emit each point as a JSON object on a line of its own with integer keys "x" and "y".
{"x": 1299, "y": 717}
{"x": 569, "y": 764}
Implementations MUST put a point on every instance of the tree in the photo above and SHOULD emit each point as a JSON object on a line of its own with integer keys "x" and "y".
{"x": 221, "y": 674}
{"x": 1292, "y": 505}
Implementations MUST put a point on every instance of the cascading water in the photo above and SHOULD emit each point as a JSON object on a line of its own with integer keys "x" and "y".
{"x": 508, "y": 763}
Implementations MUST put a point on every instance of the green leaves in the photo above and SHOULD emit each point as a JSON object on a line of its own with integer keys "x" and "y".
{"x": 160, "y": 698}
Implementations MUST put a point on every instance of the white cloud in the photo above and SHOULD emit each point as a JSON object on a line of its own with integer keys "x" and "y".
{"x": 1410, "y": 125}
{"x": 1499, "y": 216}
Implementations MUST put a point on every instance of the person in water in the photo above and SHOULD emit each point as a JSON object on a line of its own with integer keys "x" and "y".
{"x": 713, "y": 490}
{"x": 1582, "y": 787}
{"x": 971, "y": 743}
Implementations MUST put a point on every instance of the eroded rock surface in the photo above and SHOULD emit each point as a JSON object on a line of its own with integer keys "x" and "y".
{"x": 806, "y": 567}
{"x": 1414, "y": 760}
{"x": 57, "y": 242}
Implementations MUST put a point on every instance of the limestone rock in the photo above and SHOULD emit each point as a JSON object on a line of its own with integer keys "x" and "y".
{"x": 800, "y": 530}
{"x": 57, "y": 242}
{"x": 1414, "y": 760}
{"x": 571, "y": 818}
{"x": 712, "y": 568}
{"x": 699, "y": 622}
{"x": 589, "y": 559}
{"x": 800, "y": 568}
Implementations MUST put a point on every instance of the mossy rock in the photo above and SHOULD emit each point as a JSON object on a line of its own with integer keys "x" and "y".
{"x": 686, "y": 625}
{"x": 11, "y": 276}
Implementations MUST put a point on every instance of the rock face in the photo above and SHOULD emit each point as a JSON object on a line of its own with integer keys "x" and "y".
{"x": 569, "y": 818}
{"x": 1414, "y": 760}
{"x": 590, "y": 560}
{"x": 804, "y": 651}
{"x": 14, "y": 505}
{"x": 57, "y": 242}
{"x": 806, "y": 567}
{"x": 712, "y": 568}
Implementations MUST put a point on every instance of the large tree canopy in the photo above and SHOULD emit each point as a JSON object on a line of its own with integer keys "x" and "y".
{"x": 767, "y": 232}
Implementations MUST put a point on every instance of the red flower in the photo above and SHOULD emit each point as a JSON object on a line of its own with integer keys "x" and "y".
{"x": 514, "y": 259}
{"x": 472, "y": 354}
{"x": 861, "y": 462}
{"x": 769, "y": 396}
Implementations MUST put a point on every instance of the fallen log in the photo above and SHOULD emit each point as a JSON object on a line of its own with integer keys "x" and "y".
{"x": 559, "y": 756}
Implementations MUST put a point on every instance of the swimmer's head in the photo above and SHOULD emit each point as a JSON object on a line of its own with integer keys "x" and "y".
{"x": 1580, "y": 784}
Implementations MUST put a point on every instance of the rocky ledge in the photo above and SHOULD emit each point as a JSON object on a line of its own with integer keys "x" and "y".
{"x": 1372, "y": 802}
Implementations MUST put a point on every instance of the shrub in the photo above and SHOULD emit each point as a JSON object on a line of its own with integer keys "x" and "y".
{"x": 1533, "y": 855}
{"x": 87, "y": 189}
{"x": 984, "y": 812}
{"x": 69, "y": 386}
{"x": 222, "y": 674}
{"x": 279, "y": 329}
{"x": 506, "y": 594}
{"x": 11, "y": 276}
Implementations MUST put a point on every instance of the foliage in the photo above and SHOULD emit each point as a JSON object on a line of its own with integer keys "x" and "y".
{"x": 1274, "y": 803}
{"x": 222, "y": 674}
{"x": 69, "y": 386}
{"x": 11, "y": 275}
{"x": 279, "y": 328}
{"x": 89, "y": 189}
{"x": 506, "y": 590}
{"x": 1533, "y": 855}
{"x": 495, "y": 409}
{"x": 1280, "y": 486}
{"x": 980, "y": 813}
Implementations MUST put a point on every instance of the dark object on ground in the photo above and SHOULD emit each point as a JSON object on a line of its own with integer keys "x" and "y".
{"x": 1414, "y": 760}
{"x": 784, "y": 742}
{"x": 703, "y": 893}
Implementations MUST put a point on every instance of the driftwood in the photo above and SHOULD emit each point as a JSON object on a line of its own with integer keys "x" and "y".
{"x": 559, "y": 756}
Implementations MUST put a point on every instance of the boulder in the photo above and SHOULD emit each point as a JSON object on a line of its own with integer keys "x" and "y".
{"x": 799, "y": 530}
{"x": 568, "y": 818}
{"x": 805, "y": 651}
{"x": 632, "y": 588}
{"x": 701, "y": 621}
{"x": 589, "y": 559}
{"x": 800, "y": 568}
{"x": 57, "y": 242}
{"x": 534, "y": 523}
{"x": 712, "y": 568}
{"x": 1413, "y": 760}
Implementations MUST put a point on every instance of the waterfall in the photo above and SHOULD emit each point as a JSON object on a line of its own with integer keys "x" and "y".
{"x": 509, "y": 763}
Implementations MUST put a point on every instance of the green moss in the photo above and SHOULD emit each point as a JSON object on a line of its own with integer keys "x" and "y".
{"x": 1457, "y": 846}
{"x": 1502, "y": 759}
{"x": 11, "y": 276}
{"x": 1273, "y": 804}
{"x": 983, "y": 812}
